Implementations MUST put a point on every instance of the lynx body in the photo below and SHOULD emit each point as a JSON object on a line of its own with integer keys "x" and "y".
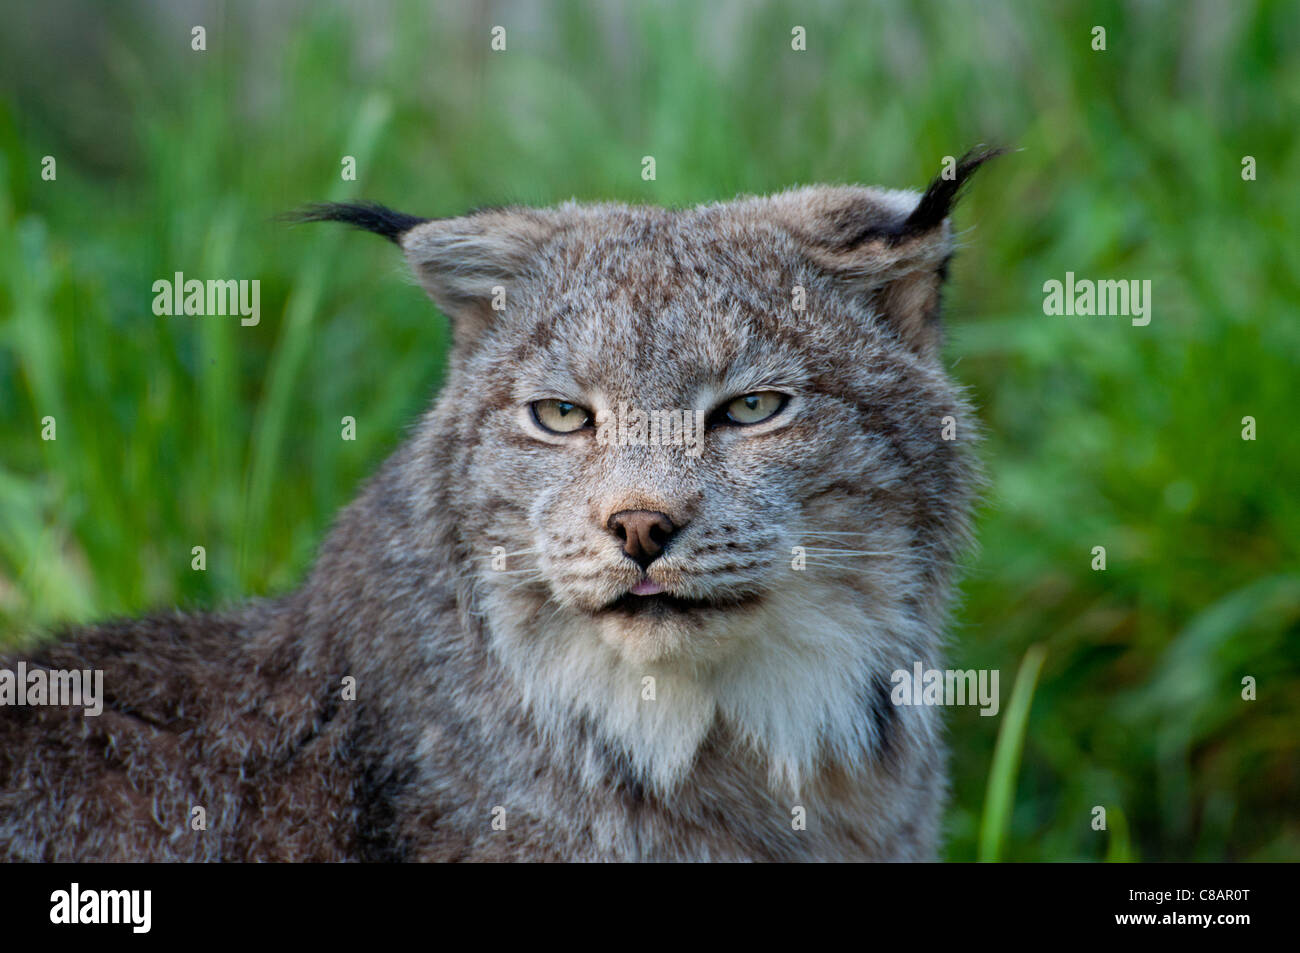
{"x": 568, "y": 642}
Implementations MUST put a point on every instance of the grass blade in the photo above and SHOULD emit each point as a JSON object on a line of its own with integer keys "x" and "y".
{"x": 1000, "y": 796}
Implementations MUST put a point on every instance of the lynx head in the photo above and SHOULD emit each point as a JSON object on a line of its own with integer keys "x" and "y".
{"x": 713, "y": 447}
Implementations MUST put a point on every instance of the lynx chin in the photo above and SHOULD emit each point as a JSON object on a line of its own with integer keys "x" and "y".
{"x": 521, "y": 642}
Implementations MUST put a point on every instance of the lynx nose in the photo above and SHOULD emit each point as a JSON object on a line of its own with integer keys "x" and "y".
{"x": 644, "y": 533}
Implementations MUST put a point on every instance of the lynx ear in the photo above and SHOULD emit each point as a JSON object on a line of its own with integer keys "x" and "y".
{"x": 887, "y": 249}
{"x": 461, "y": 262}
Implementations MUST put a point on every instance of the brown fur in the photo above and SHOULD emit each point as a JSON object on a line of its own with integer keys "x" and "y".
{"x": 479, "y": 689}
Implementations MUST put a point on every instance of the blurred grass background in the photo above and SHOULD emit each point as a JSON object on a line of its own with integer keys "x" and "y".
{"x": 175, "y": 432}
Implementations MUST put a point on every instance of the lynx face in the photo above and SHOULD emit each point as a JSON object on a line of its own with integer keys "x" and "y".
{"x": 672, "y": 557}
{"x": 762, "y": 575}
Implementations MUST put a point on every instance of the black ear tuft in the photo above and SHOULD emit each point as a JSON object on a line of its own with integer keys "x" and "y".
{"x": 939, "y": 198}
{"x": 370, "y": 216}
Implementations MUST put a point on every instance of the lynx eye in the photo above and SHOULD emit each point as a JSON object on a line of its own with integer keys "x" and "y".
{"x": 560, "y": 416}
{"x": 755, "y": 408}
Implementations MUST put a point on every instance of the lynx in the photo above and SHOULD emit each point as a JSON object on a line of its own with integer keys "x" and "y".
{"x": 525, "y": 641}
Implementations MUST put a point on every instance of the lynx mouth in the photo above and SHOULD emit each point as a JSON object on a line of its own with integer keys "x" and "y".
{"x": 665, "y": 604}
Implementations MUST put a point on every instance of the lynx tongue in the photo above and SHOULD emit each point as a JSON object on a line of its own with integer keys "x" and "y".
{"x": 647, "y": 587}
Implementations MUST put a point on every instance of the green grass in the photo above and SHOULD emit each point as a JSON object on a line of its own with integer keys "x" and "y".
{"x": 999, "y": 800}
{"x": 176, "y": 432}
